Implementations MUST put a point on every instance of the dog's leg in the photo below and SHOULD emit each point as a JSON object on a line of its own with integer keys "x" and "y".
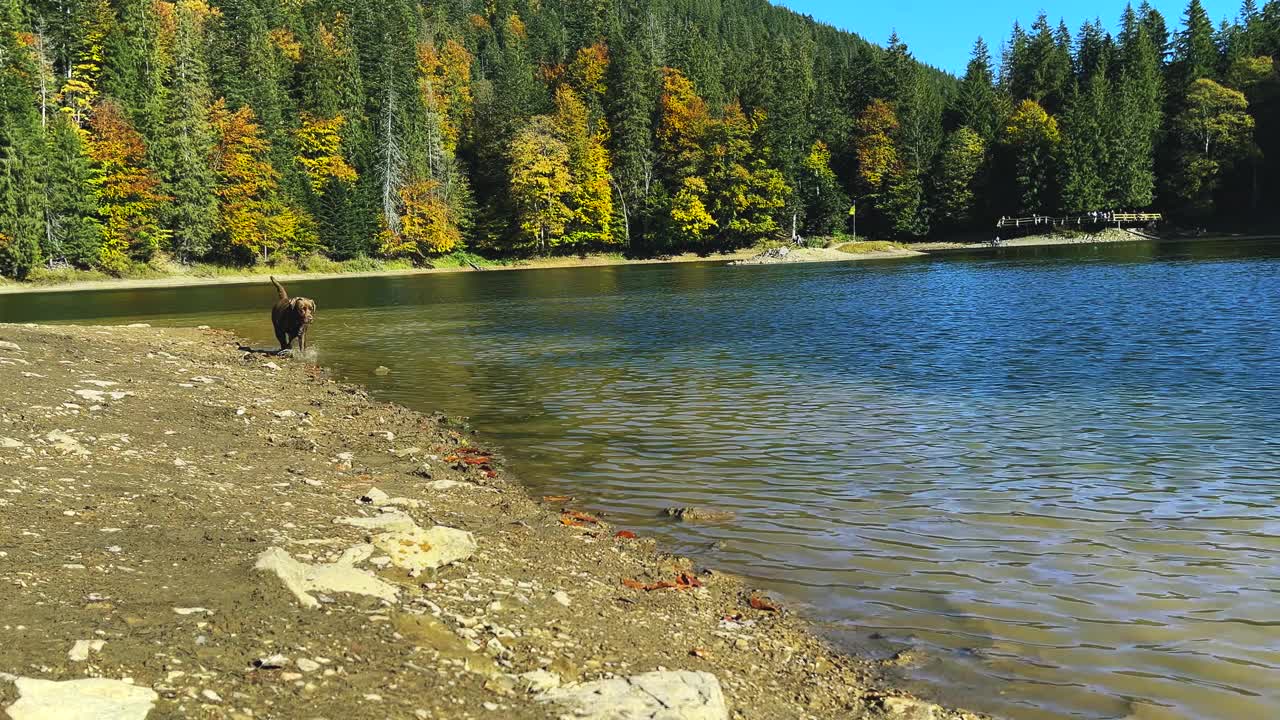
{"x": 302, "y": 341}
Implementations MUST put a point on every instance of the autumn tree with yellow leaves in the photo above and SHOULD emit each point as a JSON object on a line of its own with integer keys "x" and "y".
{"x": 252, "y": 217}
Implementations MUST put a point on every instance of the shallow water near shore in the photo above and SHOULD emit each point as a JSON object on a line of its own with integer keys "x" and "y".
{"x": 1053, "y": 471}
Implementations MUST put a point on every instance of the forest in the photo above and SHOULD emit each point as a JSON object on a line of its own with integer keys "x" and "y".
{"x": 241, "y": 132}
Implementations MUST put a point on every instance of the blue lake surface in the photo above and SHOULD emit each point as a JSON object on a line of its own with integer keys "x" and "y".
{"x": 1054, "y": 472}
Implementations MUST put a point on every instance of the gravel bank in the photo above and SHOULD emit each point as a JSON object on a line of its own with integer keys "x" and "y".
{"x": 219, "y": 535}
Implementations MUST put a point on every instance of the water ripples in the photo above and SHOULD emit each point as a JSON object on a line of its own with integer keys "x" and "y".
{"x": 1055, "y": 471}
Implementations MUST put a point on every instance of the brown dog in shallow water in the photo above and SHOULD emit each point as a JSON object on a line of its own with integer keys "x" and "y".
{"x": 291, "y": 318}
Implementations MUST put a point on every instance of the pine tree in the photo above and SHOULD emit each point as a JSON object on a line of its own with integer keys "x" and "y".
{"x": 633, "y": 84}
{"x": 976, "y": 101}
{"x": 180, "y": 155}
{"x": 74, "y": 233}
{"x": 1084, "y": 155}
{"x": 21, "y": 211}
{"x": 1135, "y": 118}
{"x": 1195, "y": 53}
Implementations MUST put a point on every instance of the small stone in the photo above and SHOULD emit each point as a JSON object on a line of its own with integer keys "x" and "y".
{"x": 561, "y": 597}
{"x": 193, "y": 611}
{"x": 273, "y": 662}
{"x": 375, "y": 497}
{"x": 10, "y": 443}
{"x": 695, "y": 514}
{"x": 211, "y": 696}
{"x": 382, "y": 371}
{"x": 6, "y": 345}
{"x": 490, "y": 706}
{"x": 539, "y": 681}
{"x": 80, "y": 650}
{"x": 502, "y": 684}
{"x": 307, "y": 665}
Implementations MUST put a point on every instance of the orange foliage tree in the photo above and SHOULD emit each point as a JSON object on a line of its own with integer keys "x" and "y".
{"x": 129, "y": 194}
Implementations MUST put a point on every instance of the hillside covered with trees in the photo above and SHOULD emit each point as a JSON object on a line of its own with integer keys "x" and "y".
{"x": 242, "y": 131}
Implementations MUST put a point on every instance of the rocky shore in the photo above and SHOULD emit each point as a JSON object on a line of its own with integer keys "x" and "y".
{"x": 191, "y": 531}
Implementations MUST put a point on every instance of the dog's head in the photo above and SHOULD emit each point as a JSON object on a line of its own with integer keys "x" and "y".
{"x": 305, "y": 308}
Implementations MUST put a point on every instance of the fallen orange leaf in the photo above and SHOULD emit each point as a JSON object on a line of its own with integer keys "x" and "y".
{"x": 683, "y": 581}
{"x": 578, "y": 519}
{"x": 763, "y": 603}
{"x": 699, "y": 653}
{"x": 626, "y": 534}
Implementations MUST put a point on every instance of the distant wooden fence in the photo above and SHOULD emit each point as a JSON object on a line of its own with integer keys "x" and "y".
{"x": 1094, "y": 218}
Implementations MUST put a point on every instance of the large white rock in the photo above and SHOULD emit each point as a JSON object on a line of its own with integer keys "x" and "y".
{"x": 419, "y": 549}
{"x": 86, "y": 699}
{"x": 340, "y": 577}
{"x": 664, "y": 695}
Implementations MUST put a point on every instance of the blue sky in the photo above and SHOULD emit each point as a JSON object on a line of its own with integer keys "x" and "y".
{"x": 941, "y": 32}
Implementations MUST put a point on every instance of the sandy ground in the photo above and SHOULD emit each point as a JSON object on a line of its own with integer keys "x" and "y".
{"x": 819, "y": 255}
{"x": 158, "y": 486}
{"x": 1107, "y": 235}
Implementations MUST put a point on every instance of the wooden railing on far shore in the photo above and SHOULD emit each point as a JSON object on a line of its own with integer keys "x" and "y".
{"x": 1081, "y": 220}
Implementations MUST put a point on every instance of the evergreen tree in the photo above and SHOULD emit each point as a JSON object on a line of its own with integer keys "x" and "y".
{"x": 73, "y": 231}
{"x": 180, "y": 155}
{"x": 21, "y": 211}
{"x": 976, "y": 100}
{"x": 1085, "y": 154}
{"x": 1195, "y": 53}
{"x": 632, "y": 105}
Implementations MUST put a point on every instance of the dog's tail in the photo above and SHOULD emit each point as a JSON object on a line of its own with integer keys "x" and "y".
{"x": 279, "y": 288}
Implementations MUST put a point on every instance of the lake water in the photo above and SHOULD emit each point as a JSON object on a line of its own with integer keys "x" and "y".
{"x": 1054, "y": 471}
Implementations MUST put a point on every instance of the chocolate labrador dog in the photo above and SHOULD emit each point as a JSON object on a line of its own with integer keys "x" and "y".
{"x": 291, "y": 318}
